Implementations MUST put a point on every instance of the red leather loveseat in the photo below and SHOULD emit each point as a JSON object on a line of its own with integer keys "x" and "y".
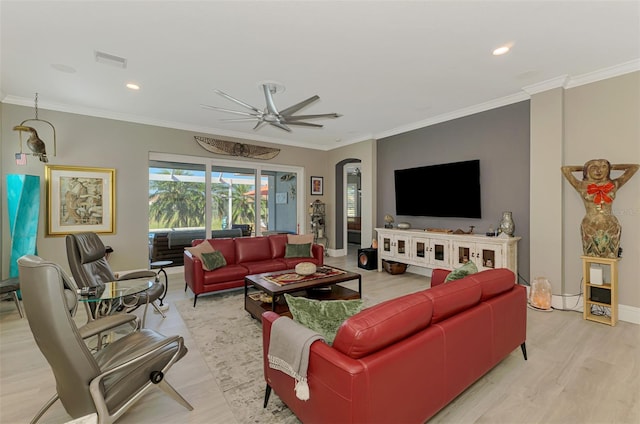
{"x": 403, "y": 360}
{"x": 244, "y": 256}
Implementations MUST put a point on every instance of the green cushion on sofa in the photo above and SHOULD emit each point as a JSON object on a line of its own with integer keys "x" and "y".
{"x": 213, "y": 260}
{"x": 466, "y": 269}
{"x": 322, "y": 316}
{"x": 298, "y": 251}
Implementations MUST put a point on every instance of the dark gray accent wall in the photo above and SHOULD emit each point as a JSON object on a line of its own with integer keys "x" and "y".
{"x": 499, "y": 138}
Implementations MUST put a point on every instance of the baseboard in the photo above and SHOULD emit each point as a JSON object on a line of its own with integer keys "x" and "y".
{"x": 629, "y": 314}
{"x": 575, "y": 303}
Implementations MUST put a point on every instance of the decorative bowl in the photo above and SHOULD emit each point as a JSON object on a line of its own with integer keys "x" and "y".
{"x": 305, "y": 268}
{"x": 404, "y": 225}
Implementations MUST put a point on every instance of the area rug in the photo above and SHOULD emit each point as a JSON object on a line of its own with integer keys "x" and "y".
{"x": 231, "y": 344}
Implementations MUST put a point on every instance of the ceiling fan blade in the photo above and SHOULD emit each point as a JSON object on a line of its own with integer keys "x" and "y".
{"x": 240, "y": 102}
{"x": 221, "y": 109}
{"x": 305, "y": 124}
{"x": 293, "y": 109}
{"x": 271, "y": 106}
{"x": 240, "y": 119}
{"x": 322, "y": 115}
{"x": 280, "y": 125}
{"x": 258, "y": 125}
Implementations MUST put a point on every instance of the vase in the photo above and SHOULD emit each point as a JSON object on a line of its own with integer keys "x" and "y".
{"x": 506, "y": 225}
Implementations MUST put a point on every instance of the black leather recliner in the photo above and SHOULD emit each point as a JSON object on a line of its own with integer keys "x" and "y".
{"x": 89, "y": 267}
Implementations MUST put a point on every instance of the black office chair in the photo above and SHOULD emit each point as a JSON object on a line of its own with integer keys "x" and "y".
{"x": 10, "y": 287}
{"x": 89, "y": 267}
{"x": 107, "y": 382}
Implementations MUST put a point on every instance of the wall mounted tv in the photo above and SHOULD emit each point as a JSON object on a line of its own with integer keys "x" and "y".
{"x": 444, "y": 190}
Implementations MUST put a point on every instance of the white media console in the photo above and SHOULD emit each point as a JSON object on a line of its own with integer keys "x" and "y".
{"x": 446, "y": 250}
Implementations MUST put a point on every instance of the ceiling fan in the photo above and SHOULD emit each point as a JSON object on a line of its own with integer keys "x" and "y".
{"x": 270, "y": 115}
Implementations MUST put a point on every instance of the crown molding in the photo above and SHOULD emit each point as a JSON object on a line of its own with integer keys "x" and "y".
{"x": 606, "y": 73}
{"x": 482, "y": 107}
{"x": 105, "y": 114}
{"x": 550, "y": 84}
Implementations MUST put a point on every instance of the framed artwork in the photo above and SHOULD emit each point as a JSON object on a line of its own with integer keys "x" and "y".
{"x": 316, "y": 186}
{"x": 282, "y": 197}
{"x": 80, "y": 199}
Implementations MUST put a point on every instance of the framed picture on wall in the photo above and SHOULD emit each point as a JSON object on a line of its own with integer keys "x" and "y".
{"x": 316, "y": 186}
{"x": 80, "y": 199}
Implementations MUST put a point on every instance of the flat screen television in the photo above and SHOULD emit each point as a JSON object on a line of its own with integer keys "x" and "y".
{"x": 444, "y": 190}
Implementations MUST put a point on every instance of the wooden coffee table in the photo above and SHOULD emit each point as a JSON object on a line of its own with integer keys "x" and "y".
{"x": 321, "y": 288}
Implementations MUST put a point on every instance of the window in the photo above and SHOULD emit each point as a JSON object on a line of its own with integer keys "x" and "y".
{"x": 178, "y": 195}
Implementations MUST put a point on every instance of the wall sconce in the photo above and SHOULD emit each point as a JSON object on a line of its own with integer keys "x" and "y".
{"x": 34, "y": 142}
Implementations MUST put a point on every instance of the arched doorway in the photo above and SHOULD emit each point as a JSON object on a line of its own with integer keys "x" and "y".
{"x": 348, "y": 184}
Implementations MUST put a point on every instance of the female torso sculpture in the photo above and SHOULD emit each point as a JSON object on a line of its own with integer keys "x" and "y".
{"x": 600, "y": 229}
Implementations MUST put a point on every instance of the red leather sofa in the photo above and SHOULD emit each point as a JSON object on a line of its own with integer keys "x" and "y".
{"x": 403, "y": 360}
{"x": 244, "y": 256}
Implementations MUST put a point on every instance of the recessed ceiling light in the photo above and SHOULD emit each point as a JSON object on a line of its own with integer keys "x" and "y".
{"x": 133, "y": 86}
{"x": 501, "y": 50}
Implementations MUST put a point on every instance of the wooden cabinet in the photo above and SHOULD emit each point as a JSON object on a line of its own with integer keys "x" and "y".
{"x": 448, "y": 251}
{"x": 430, "y": 253}
{"x": 602, "y": 295}
{"x": 394, "y": 247}
{"x": 484, "y": 255}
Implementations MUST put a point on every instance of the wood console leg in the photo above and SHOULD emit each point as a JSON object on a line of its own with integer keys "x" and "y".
{"x": 524, "y": 350}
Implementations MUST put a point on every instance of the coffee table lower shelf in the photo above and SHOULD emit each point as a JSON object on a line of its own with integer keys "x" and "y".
{"x": 256, "y": 307}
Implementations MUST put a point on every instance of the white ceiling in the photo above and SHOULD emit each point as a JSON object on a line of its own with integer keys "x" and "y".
{"x": 386, "y": 66}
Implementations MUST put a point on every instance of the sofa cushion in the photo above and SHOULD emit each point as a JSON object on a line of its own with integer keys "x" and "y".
{"x": 322, "y": 316}
{"x": 458, "y": 273}
{"x": 301, "y": 239}
{"x": 227, "y": 246}
{"x": 494, "y": 282}
{"x": 298, "y": 251}
{"x": 225, "y": 274}
{"x": 278, "y": 244}
{"x": 454, "y": 297}
{"x": 199, "y": 249}
{"x": 384, "y": 324}
{"x": 290, "y": 263}
{"x": 269, "y": 265}
{"x": 213, "y": 260}
{"x": 252, "y": 249}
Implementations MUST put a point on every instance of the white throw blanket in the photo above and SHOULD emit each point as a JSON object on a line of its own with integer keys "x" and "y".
{"x": 289, "y": 347}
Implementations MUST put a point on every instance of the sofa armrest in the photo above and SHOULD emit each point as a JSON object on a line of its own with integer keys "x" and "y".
{"x": 317, "y": 250}
{"x": 193, "y": 272}
{"x": 438, "y": 276}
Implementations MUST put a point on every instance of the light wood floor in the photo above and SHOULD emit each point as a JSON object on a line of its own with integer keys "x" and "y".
{"x": 578, "y": 371}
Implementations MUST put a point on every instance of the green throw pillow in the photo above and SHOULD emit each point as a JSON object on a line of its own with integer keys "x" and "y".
{"x": 298, "y": 251}
{"x": 213, "y": 260}
{"x": 466, "y": 269}
{"x": 322, "y": 316}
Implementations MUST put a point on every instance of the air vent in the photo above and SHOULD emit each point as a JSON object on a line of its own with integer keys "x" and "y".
{"x": 110, "y": 59}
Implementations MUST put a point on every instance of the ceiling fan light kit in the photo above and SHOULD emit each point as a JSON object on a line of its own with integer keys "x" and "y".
{"x": 270, "y": 114}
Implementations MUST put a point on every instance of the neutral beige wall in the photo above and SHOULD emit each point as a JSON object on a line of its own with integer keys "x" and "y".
{"x": 545, "y": 203}
{"x": 97, "y": 142}
{"x": 602, "y": 120}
